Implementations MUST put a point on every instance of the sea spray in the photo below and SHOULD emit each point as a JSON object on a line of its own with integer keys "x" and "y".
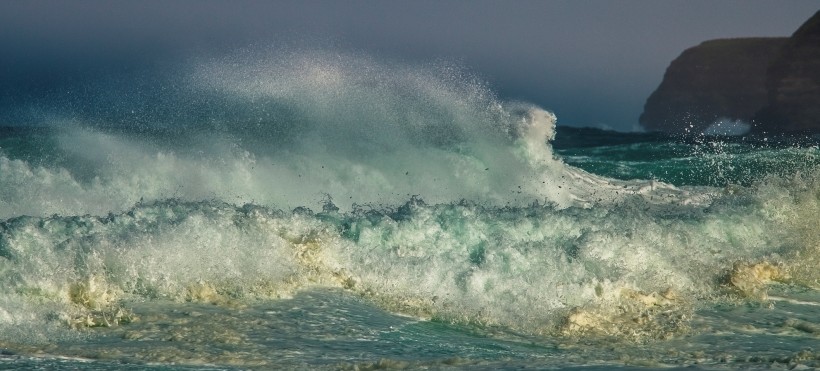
{"x": 354, "y": 130}
{"x": 317, "y": 190}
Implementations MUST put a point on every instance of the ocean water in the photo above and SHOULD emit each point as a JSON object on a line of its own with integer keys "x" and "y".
{"x": 323, "y": 210}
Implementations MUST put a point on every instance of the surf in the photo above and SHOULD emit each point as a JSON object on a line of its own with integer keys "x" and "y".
{"x": 413, "y": 188}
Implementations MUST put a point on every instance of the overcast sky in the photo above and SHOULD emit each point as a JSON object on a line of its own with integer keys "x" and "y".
{"x": 592, "y": 62}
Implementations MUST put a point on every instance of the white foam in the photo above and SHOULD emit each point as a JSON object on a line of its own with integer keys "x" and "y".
{"x": 727, "y": 127}
{"x": 522, "y": 268}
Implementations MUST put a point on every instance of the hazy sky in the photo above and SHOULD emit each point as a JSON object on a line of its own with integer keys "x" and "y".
{"x": 592, "y": 62}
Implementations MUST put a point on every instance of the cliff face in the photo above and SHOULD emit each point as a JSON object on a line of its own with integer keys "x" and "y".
{"x": 773, "y": 83}
{"x": 793, "y": 84}
{"x": 716, "y": 79}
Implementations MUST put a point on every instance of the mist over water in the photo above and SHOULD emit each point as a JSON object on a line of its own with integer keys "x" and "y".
{"x": 295, "y": 129}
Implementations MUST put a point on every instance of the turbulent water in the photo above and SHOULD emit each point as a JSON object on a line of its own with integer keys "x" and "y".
{"x": 327, "y": 210}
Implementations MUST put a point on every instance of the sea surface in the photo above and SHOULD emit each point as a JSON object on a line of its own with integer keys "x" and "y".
{"x": 320, "y": 210}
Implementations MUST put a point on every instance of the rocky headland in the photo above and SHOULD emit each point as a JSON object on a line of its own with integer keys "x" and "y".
{"x": 771, "y": 83}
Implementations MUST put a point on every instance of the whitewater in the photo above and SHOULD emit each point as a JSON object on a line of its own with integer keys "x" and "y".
{"x": 328, "y": 210}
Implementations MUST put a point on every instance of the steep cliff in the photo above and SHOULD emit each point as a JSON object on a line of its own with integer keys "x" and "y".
{"x": 793, "y": 84}
{"x": 773, "y": 83}
{"x": 717, "y": 79}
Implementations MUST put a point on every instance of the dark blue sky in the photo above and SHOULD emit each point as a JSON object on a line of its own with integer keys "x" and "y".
{"x": 593, "y": 62}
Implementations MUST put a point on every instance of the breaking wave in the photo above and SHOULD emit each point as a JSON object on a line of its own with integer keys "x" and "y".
{"x": 433, "y": 198}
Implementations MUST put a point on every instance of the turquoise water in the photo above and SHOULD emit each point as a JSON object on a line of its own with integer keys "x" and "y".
{"x": 318, "y": 211}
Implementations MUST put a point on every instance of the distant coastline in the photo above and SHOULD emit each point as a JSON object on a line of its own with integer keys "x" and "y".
{"x": 770, "y": 84}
